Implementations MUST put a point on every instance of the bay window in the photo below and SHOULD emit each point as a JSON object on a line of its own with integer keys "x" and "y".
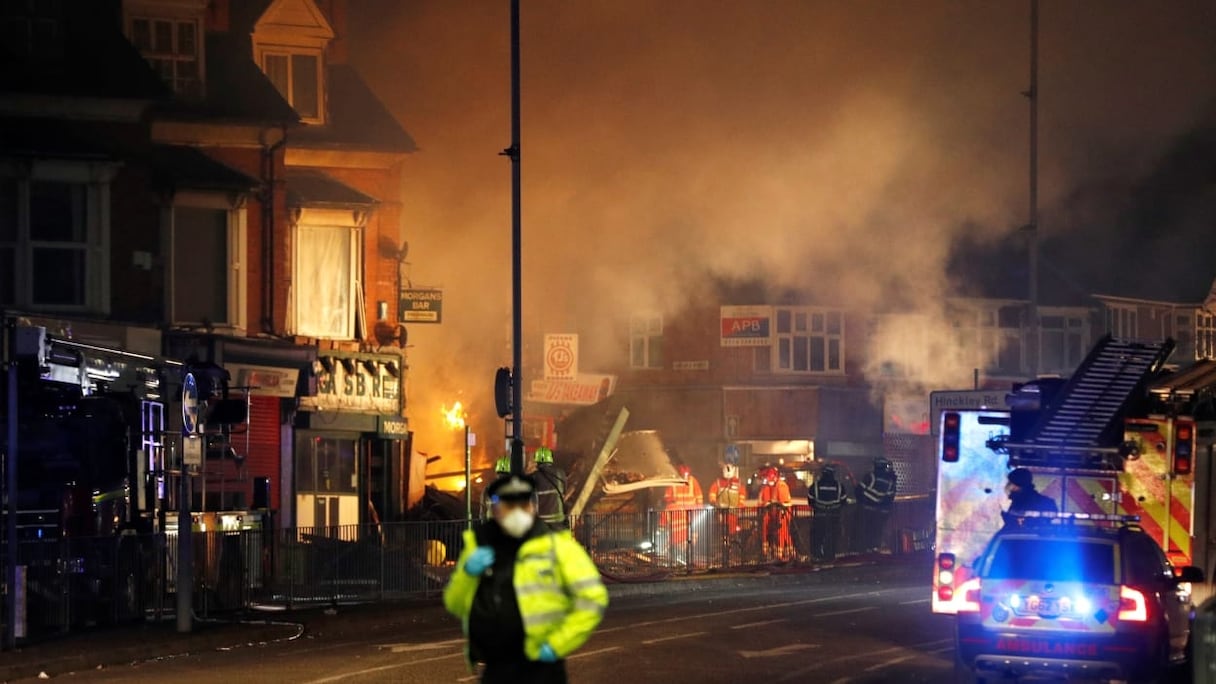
{"x": 53, "y": 239}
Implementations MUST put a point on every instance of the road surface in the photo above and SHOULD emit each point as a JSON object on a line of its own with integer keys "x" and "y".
{"x": 862, "y": 626}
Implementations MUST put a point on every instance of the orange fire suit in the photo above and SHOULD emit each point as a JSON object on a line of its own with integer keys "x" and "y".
{"x": 725, "y": 493}
{"x": 777, "y": 518}
{"x": 679, "y": 499}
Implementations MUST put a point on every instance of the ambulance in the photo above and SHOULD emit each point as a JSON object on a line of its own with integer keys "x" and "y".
{"x": 1117, "y": 440}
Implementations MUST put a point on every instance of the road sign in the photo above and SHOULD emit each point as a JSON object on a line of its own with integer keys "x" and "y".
{"x": 192, "y": 450}
{"x": 961, "y": 399}
{"x": 190, "y": 423}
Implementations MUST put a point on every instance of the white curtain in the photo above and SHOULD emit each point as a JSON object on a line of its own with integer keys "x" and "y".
{"x": 324, "y": 282}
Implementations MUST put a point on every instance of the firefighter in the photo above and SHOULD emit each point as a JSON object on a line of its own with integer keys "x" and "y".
{"x": 679, "y": 501}
{"x": 725, "y": 494}
{"x": 775, "y": 499}
{"x": 1023, "y": 497}
{"x": 527, "y": 596}
{"x": 501, "y": 467}
{"x": 876, "y": 493}
{"x": 550, "y": 489}
{"x": 826, "y": 498}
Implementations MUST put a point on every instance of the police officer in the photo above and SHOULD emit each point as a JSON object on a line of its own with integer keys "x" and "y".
{"x": 1023, "y": 497}
{"x": 876, "y": 494}
{"x": 526, "y": 595}
{"x": 826, "y": 497}
{"x": 550, "y": 489}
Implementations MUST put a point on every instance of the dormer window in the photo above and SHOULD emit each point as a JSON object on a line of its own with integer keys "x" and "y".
{"x": 169, "y": 35}
{"x": 297, "y": 76}
{"x": 171, "y": 47}
{"x": 289, "y": 42}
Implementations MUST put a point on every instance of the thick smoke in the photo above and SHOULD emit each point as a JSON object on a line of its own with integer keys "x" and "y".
{"x": 838, "y": 149}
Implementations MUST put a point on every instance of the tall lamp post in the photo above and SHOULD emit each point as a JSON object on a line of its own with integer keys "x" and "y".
{"x": 456, "y": 418}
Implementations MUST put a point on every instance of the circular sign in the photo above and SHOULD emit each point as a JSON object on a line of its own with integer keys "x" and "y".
{"x": 560, "y": 360}
{"x": 189, "y": 405}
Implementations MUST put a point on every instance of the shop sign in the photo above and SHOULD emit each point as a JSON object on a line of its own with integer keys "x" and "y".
{"x": 264, "y": 380}
{"x": 561, "y": 357}
{"x": 690, "y": 365}
{"x": 746, "y": 326}
{"x": 422, "y": 306}
{"x": 585, "y": 389}
{"x": 393, "y": 427}
{"x": 355, "y": 384}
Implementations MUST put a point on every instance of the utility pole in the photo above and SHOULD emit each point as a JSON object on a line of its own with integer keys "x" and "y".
{"x": 1033, "y": 226}
{"x": 513, "y": 152}
{"x": 10, "y": 489}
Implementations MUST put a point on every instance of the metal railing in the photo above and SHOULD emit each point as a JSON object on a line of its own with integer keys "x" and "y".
{"x": 72, "y": 583}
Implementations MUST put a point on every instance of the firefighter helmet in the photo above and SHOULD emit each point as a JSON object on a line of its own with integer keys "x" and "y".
{"x": 543, "y": 455}
{"x": 883, "y": 463}
{"x": 769, "y": 476}
{"x": 828, "y": 471}
{"x": 503, "y": 465}
{"x": 730, "y": 471}
{"x": 684, "y": 470}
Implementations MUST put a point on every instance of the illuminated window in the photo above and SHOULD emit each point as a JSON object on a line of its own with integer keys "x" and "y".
{"x": 646, "y": 342}
{"x": 297, "y": 77}
{"x": 51, "y": 246}
{"x": 324, "y": 282}
{"x": 173, "y": 47}
{"x": 808, "y": 340}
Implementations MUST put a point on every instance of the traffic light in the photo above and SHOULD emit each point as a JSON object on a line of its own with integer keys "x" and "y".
{"x": 951, "y": 423}
{"x": 1184, "y": 447}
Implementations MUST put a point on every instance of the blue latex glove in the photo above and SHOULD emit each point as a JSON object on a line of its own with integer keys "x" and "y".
{"x": 481, "y": 558}
{"x": 547, "y": 655}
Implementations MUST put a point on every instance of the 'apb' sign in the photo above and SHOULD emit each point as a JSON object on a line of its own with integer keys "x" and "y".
{"x": 422, "y": 306}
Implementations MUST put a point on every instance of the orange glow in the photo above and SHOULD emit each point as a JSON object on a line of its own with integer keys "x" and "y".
{"x": 454, "y": 417}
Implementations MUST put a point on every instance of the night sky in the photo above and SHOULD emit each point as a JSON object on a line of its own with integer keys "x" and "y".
{"x": 846, "y": 150}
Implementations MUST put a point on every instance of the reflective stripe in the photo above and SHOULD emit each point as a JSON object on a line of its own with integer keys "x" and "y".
{"x": 542, "y": 619}
{"x": 589, "y": 606}
{"x": 585, "y": 583}
{"x": 531, "y": 589}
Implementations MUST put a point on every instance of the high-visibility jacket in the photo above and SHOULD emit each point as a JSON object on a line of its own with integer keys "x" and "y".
{"x": 561, "y": 596}
{"x": 877, "y": 490}
{"x": 778, "y": 493}
{"x": 550, "y": 494}
{"x": 826, "y": 496}
{"x": 724, "y": 493}
{"x": 687, "y": 495}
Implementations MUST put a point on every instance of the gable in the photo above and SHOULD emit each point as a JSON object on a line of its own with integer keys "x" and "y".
{"x": 294, "y": 23}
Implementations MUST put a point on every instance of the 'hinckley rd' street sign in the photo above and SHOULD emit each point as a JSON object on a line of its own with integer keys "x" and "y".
{"x": 422, "y": 306}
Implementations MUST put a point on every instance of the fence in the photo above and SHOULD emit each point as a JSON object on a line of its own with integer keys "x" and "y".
{"x": 72, "y": 583}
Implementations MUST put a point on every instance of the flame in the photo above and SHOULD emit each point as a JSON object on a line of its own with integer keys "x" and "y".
{"x": 454, "y": 417}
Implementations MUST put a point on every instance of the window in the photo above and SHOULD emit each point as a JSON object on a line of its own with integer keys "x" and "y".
{"x": 646, "y": 342}
{"x": 1205, "y": 335}
{"x": 50, "y": 240}
{"x": 1121, "y": 322}
{"x": 809, "y": 340}
{"x": 31, "y": 28}
{"x": 1063, "y": 343}
{"x": 206, "y": 275}
{"x": 1053, "y": 560}
{"x": 174, "y": 49}
{"x": 297, "y": 76}
{"x": 324, "y": 284}
{"x": 326, "y": 464}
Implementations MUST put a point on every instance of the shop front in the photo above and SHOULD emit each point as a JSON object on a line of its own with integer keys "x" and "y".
{"x": 351, "y": 445}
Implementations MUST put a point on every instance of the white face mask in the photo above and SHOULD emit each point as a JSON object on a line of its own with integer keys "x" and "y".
{"x": 516, "y": 522}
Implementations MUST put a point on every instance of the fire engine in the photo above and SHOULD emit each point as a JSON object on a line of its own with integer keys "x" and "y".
{"x": 1122, "y": 437}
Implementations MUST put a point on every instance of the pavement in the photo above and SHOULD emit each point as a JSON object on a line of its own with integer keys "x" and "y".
{"x": 99, "y": 648}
